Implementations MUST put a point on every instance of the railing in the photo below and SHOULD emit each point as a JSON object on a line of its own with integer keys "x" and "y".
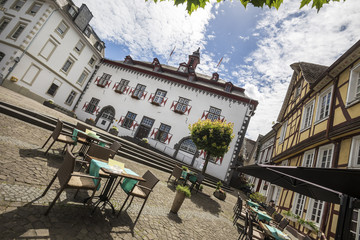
{"x": 152, "y": 97}
{"x": 155, "y": 133}
{"x": 205, "y": 115}
{"x": 174, "y": 108}
{"x": 101, "y": 82}
{"x": 96, "y": 108}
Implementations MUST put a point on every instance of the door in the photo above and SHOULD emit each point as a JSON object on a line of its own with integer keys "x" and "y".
{"x": 105, "y": 120}
{"x": 144, "y": 128}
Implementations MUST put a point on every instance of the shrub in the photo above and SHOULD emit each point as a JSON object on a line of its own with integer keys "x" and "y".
{"x": 114, "y": 127}
{"x": 185, "y": 168}
{"x": 219, "y": 184}
{"x": 257, "y": 197}
{"x": 184, "y": 189}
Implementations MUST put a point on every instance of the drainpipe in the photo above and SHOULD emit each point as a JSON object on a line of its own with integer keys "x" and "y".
{"x": 17, "y": 59}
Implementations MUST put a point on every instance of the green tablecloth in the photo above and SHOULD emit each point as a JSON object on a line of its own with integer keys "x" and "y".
{"x": 95, "y": 168}
{"x": 276, "y": 233}
{"x": 252, "y": 204}
{"x": 128, "y": 184}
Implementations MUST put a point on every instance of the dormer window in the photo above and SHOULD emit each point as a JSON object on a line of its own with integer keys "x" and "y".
{"x": 228, "y": 87}
{"x": 215, "y": 77}
{"x": 72, "y": 11}
{"x": 87, "y": 32}
{"x": 297, "y": 90}
{"x": 98, "y": 46}
{"x": 183, "y": 68}
{"x": 128, "y": 60}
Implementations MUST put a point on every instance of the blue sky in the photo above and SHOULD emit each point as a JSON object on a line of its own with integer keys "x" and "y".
{"x": 257, "y": 45}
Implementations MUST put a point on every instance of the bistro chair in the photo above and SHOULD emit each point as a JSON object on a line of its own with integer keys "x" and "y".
{"x": 58, "y": 137}
{"x": 81, "y": 138}
{"x": 199, "y": 179}
{"x": 277, "y": 218}
{"x": 115, "y": 146}
{"x": 176, "y": 172}
{"x": 283, "y": 224}
{"x": 249, "y": 232}
{"x": 70, "y": 179}
{"x": 271, "y": 210}
{"x": 141, "y": 190}
{"x": 238, "y": 210}
{"x": 99, "y": 153}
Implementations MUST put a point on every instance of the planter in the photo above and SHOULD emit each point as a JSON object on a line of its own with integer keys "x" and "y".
{"x": 291, "y": 218}
{"x": 113, "y": 131}
{"x": 144, "y": 144}
{"x": 178, "y": 201}
{"x": 220, "y": 195}
{"x": 90, "y": 122}
{"x": 49, "y": 104}
{"x": 310, "y": 228}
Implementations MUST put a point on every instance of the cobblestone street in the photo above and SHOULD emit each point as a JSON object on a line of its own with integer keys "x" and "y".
{"x": 25, "y": 172}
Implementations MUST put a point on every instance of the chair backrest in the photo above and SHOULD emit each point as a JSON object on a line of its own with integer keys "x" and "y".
{"x": 57, "y": 130}
{"x": 239, "y": 204}
{"x": 200, "y": 178}
{"x": 82, "y": 127}
{"x": 271, "y": 210}
{"x": 102, "y": 153}
{"x": 150, "y": 182}
{"x": 250, "y": 226}
{"x": 283, "y": 224}
{"x": 177, "y": 171}
{"x": 278, "y": 217}
{"x": 67, "y": 167}
{"x": 115, "y": 146}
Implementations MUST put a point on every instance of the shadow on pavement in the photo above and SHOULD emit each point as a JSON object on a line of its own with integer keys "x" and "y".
{"x": 174, "y": 217}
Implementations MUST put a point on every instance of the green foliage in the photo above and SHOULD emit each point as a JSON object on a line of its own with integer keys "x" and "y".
{"x": 185, "y": 168}
{"x": 213, "y": 137}
{"x": 184, "y": 189}
{"x": 257, "y": 197}
{"x": 145, "y": 140}
{"x": 201, "y": 187}
{"x": 219, "y": 184}
{"x": 192, "y": 5}
{"x": 114, "y": 127}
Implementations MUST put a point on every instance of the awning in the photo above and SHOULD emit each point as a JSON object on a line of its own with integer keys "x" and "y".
{"x": 294, "y": 179}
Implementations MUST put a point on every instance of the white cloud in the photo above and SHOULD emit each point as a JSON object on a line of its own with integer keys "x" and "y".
{"x": 290, "y": 35}
{"x": 244, "y": 38}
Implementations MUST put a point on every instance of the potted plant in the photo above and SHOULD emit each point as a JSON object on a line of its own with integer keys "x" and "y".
{"x": 309, "y": 225}
{"x": 90, "y": 121}
{"x": 49, "y": 103}
{"x": 114, "y": 130}
{"x": 292, "y": 217}
{"x": 257, "y": 197}
{"x": 181, "y": 193}
{"x": 219, "y": 193}
{"x": 144, "y": 143}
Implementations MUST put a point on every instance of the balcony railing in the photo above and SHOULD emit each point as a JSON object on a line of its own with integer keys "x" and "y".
{"x": 212, "y": 116}
{"x": 179, "y": 107}
{"x": 101, "y": 82}
{"x": 154, "y": 135}
{"x": 162, "y": 103}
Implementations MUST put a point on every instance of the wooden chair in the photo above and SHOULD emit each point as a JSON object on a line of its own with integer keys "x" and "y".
{"x": 283, "y": 224}
{"x": 176, "y": 172}
{"x": 70, "y": 179}
{"x": 271, "y": 210}
{"x": 58, "y": 137}
{"x": 277, "y": 218}
{"x": 141, "y": 190}
{"x": 115, "y": 146}
{"x": 249, "y": 233}
{"x": 199, "y": 179}
{"x": 238, "y": 210}
{"x": 81, "y": 138}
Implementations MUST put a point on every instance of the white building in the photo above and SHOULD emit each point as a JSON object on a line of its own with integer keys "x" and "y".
{"x": 158, "y": 102}
{"x": 47, "y": 49}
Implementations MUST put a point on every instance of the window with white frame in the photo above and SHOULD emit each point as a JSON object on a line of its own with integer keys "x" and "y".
{"x": 79, "y": 46}
{"x": 268, "y": 157}
{"x": 188, "y": 146}
{"x": 355, "y": 225}
{"x": 308, "y": 158}
{"x": 70, "y": 98}
{"x": 353, "y": 94}
{"x": 325, "y": 156}
{"x": 3, "y": 23}
{"x": 297, "y": 90}
{"x": 314, "y": 211}
{"x": 104, "y": 79}
{"x": 182, "y": 104}
{"x": 34, "y": 9}
{"x": 214, "y": 114}
{"x": 163, "y": 132}
{"x": 91, "y": 107}
{"x": 298, "y": 204}
{"x": 323, "y": 106}
{"x": 129, "y": 120}
{"x": 307, "y": 115}
{"x": 283, "y": 132}
{"x": 67, "y": 65}
{"x": 18, "y": 5}
{"x": 122, "y": 85}
{"x": 265, "y": 152}
{"x": 159, "y": 96}
{"x": 92, "y": 61}
{"x": 62, "y": 28}
{"x": 17, "y": 31}
{"x": 82, "y": 78}
{"x": 354, "y": 159}
{"x": 139, "y": 91}
{"x": 72, "y": 11}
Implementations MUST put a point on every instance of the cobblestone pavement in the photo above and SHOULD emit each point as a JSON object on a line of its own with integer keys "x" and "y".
{"x": 25, "y": 172}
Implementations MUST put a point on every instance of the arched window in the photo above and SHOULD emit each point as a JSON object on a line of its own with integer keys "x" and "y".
{"x": 188, "y": 146}
{"x": 2, "y": 55}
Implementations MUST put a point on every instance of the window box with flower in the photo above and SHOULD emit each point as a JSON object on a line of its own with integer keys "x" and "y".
{"x": 90, "y": 121}
{"x": 114, "y": 130}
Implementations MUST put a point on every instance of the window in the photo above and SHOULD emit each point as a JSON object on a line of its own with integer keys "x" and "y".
{"x": 159, "y": 96}
{"x": 2, "y": 55}
{"x": 92, "y": 61}
{"x": 148, "y": 122}
{"x": 353, "y": 94}
{"x": 139, "y": 91}
{"x": 323, "y": 107}
{"x": 299, "y": 203}
{"x": 228, "y": 87}
{"x": 355, "y": 225}
{"x": 98, "y": 46}
{"x": 72, "y": 11}
{"x": 298, "y": 90}
{"x": 308, "y": 158}
{"x": 283, "y": 132}
{"x": 87, "y": 32}
{"x": 181, "y": 105}
{"x": 18, "y": 5}
{"x": 62, "y": 29}
{"x": 104, "y": 79}
{"x": 48, "y": 49}
{"x": 91, "y": 107}
{"x": 214, "y": 114}
{"x": 3, "y": 23}
{"x": 314, "y": 211}
{"x": 163, "y": 132}
{"x": 188, "y": 146}
{"x": 307, "y": 115}
{"x": 70, "y": 98}
{"x": 354, "y": 160}
{"x": 129, "y": 119}
{"x": 17, "y": 31}
{"x": 34, "y": 9}
{"x": 79, "y": 47}
{"x": 324, "y": 159}
{"x": 121, "y": 87}
{"x": 67, "y": 65}
{"x": 52, "y": 89}
{"x": 82, "y": 78}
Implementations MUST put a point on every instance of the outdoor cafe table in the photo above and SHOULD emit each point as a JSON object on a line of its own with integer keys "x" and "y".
{"x": 89, "y": 138}
{"x": 273, "y": 232}
{"x": 252, "y": 204}
{"x": 131, "y": 178}
{"x": 261, "y": 215}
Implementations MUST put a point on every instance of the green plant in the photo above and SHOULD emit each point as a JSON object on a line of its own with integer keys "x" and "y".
{"x": 288, "y": 213}
{"x": 301, "y": 221}
{"x": 312, "y": 225}
{"x": 145, "y": 140}
{"x": 184, "y": 189}
{"x": 184, "y": 168}
{"x": 257, "y": 197}
{"x": 219, "y": 184}
{"x": 114, "y": 127}
{"x": 201, "y": 187}
{"x": 213, "y": 137}
{"x": 51, "y": 101}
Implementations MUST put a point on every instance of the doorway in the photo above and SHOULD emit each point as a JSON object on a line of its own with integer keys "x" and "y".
{"x": 106, "y": 118}
{"x": 144, "y": 128}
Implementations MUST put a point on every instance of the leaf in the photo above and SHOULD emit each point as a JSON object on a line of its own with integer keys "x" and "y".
{"x": 304, "y": 2}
